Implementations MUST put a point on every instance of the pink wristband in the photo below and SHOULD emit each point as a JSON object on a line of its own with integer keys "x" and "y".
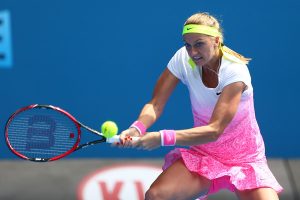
{"x": 139, "y": 126}
{"x": 168, "y": 137}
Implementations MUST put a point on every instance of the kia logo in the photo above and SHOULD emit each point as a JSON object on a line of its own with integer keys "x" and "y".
{"x": 118, "y": 182}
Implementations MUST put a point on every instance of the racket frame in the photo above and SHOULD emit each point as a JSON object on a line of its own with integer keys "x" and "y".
{"x": 76, "y": 122}
{"x": 76, "y": 146}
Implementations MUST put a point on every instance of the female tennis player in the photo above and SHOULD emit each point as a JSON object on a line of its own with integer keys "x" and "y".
{"x": 226, "y": 149}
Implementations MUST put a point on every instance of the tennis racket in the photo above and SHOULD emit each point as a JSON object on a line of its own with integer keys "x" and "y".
{"x": 44, "y": 133}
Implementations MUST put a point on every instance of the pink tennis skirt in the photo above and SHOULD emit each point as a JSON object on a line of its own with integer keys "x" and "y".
{"x": 241, "y": 176}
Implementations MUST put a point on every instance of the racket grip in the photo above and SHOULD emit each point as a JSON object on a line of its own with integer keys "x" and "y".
{"x": 116, "y": 138}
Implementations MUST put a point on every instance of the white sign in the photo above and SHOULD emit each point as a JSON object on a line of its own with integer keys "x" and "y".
{"x": 123, "y": 182}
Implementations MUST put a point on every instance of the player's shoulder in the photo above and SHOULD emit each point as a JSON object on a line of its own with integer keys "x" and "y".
{"x": 181, "y": 53}
{"x": 180, "y": 59}
{"x": 230, "y": 66}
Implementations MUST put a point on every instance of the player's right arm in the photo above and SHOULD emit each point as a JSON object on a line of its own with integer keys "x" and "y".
{"x": 153, "y": 109}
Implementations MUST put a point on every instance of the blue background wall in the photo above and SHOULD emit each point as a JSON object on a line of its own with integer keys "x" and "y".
{"x": 99, "y": 60}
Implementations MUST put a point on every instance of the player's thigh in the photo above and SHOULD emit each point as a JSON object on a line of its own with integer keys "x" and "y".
{"x": 258, "y": 194}
{"x": 177, "y": 182}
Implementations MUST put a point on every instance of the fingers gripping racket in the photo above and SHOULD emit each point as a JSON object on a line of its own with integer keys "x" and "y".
{"x": 44, "y": 133}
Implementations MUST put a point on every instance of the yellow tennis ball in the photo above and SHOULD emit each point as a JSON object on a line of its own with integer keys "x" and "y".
{"x": 109, "y": 129}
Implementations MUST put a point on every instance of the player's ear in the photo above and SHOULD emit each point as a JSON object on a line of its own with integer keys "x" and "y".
{"x": 216, "y": 41}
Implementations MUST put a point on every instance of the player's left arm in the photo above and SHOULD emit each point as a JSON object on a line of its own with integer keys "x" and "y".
{"x": 223, "y": 113}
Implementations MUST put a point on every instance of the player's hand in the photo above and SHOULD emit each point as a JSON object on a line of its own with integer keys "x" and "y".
{"x": 125, "y": 137}
{"x": 149, "y": 141}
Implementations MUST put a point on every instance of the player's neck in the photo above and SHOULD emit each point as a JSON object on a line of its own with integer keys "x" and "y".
{"x": 214, "y": 64}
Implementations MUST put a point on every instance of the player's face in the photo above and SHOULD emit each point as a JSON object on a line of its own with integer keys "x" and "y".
{"x": 201, "y": 48}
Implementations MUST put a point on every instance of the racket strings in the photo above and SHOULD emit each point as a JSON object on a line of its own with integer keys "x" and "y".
{"x": 42, "y": 133}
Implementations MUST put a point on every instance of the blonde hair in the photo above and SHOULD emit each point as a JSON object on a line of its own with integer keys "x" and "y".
{"x": 205, "y": 18}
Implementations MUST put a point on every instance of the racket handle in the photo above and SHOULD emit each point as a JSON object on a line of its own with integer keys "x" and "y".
{"x": 116, "y": 138}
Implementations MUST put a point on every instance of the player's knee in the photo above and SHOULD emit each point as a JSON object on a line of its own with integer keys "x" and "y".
{"x": 155, "y": 194}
